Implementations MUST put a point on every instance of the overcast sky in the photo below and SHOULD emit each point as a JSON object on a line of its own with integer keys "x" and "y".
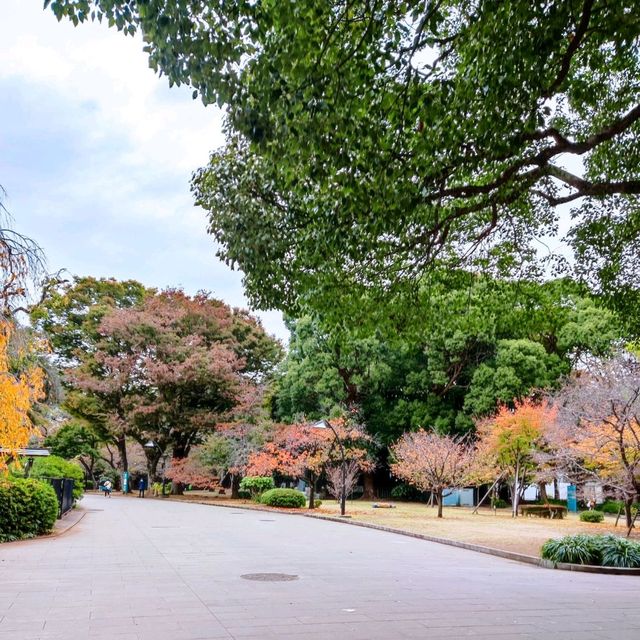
{"x": 96, "y": 153}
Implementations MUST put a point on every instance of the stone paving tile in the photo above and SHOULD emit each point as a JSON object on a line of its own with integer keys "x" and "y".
{"x": 152, "y": 570}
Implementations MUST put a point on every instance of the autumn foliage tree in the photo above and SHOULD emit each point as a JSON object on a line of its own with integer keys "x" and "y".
{"x": 596, "y": 435}
{"x": 509, "y": 441}
{"x": 304, "y": 450}
{"x": 432, "y": 462}
{"x": 19, "y": 390}
{"x": 172, "y": 367}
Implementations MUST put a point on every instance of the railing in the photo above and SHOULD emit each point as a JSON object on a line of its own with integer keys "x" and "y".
{"x": 64, "y": 492}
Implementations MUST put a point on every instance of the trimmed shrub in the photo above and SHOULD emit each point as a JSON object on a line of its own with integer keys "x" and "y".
{"x": 27, "y": 508}
{"x": 256, "y": 485}
{"x": 620, "y": 552}
{"x": 499, "y": 503}
{"x": 56, "y": 467}
{"x": 317, "y": 503}
{"x": 289, "y": 498}
{"x": 591, "y": 516}
{"x": 245, "y": 495}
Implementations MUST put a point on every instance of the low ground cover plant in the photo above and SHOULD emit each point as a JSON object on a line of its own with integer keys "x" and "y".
{"x": 289, "y": 498}
{"x": 605, "y": 551}
{"x": 27, "y": 508}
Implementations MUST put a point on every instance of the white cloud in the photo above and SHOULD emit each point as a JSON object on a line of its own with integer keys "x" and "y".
{"x": 96, "y": 152}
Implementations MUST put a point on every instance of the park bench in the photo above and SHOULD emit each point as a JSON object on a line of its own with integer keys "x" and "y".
{"x": 543, "y": 510}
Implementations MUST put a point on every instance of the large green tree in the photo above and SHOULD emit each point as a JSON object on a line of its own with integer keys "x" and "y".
{"x": 476, "y": 342}
{"x": 369, "y": 140}
{"x": 69, "y": 315}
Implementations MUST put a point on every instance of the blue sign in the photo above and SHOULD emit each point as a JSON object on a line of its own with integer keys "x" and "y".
{"x": 125, "y": 482}
{"x": 572, "y": 501}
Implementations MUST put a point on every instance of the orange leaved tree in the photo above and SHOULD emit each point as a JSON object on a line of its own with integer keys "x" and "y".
{"x": 597, "y": 434}
{"x": 509, "y": 441}
{"x": 432, "y": 462}
{"x": 18, "y": 392}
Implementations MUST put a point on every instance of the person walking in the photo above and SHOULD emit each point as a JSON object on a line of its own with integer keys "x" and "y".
{"x": 107, "y": 486}
{"x": 142, "y": 486}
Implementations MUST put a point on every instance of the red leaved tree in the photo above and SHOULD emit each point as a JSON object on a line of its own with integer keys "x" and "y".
{"x": 303, "y": 451}
{"x": 431, "y": 462}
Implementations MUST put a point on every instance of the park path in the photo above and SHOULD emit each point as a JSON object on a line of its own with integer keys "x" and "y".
{"x": 136, "y": 569}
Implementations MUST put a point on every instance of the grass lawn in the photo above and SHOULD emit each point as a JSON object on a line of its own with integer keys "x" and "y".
{"x": 498, "y": 530}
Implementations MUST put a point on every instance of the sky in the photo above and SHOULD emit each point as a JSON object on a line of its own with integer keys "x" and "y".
{"x": 96, "y": 154}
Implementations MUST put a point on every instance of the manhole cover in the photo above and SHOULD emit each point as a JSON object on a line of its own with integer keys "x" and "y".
{"x": 269, "y": 577}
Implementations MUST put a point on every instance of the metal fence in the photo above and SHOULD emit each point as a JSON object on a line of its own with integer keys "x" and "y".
{"x": 64, "y": 491}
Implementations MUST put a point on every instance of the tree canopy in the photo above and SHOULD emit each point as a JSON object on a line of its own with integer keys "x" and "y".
{"x": 474, "y": 343}
{"x": 368, "y": 142}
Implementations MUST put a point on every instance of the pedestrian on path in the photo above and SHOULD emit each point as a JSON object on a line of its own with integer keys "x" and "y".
{"x": 142, "y": 486}
{"x": 107, "y": 486}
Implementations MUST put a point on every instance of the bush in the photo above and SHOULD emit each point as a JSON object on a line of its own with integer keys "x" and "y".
{"x": 55, "y": 467}
{"x": 578, "y": 549}
{"x": 317, "y": 503}
{"x": 606, "y": 551}
{"x": 256, "y": 485}
{"x": 499, "y": 503}
{"x": 591, "y": 516}
{"x": 610, "y": 506}
{"x": 620, "y": 552}
{"x": 289, "y": 498}
{"x": 27, "y": 508}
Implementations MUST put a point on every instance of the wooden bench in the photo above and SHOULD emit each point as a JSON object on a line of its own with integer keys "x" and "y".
{"x": 553, "y": 511}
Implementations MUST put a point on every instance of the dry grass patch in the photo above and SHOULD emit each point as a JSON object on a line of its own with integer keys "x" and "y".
{"x": 488, "y": 528}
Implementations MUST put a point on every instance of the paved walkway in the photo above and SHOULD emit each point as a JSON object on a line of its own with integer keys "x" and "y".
{"x": 137, "y": 569}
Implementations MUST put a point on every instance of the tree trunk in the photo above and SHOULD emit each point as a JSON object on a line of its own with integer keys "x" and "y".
{"x": 235, "y": 486}
{"x": 124, "y": 461}
{"x": 556, "y": 489}
{"x": 312, "y": 491}
{"x": 368, "y": 483}
{"x": 627, "y": 512}
{"x": 514, "y": 494}
{"x": 439, "y": 500}
{"x": 542, "y": 492}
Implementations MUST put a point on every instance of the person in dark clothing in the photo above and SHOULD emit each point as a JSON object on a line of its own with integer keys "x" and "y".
{"x": 142, "y": 486}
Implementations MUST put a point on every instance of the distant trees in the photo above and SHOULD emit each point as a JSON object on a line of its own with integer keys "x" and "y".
{"x": 165, "y": 366}
{"x": 473, "y": 343}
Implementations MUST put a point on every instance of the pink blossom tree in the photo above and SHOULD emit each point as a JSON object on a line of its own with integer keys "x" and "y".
{"x": 431, "y": 462}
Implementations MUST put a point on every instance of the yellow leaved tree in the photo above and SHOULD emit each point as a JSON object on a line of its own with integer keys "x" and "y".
{"x": 18, "y": 392}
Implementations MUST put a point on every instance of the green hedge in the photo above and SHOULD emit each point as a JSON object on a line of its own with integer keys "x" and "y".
{"x": 605, "y": 551}
{"x": 614, "y": 507}
{"x": 256, "y": 485}
{"x": 591, "y": 516}
{"x": 290, "y": 498}
{"x": 55, "y": 467}
{"x": 27, "y": 508}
